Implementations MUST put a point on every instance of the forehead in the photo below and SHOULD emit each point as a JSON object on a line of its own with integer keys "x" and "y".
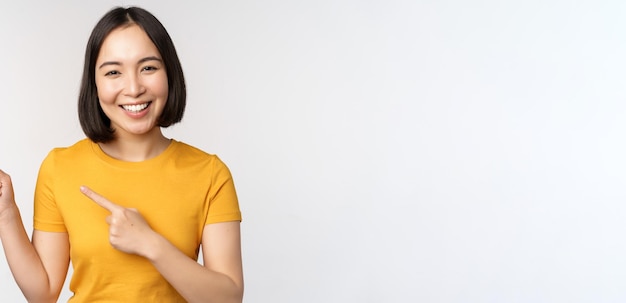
{"x": 127, "y": 43}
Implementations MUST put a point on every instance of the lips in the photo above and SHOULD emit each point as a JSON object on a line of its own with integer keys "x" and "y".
{"x": 135, "y": 108}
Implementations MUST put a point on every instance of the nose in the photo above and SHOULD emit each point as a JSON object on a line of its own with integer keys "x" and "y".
{"x": 134, "y": 86}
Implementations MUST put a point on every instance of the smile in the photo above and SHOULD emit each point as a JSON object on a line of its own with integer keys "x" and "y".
{"x": 135, "y": 108}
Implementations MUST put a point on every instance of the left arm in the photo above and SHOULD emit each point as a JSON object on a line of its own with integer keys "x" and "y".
{"x": 221, "y": 277}
{"x": 219, "y": 280}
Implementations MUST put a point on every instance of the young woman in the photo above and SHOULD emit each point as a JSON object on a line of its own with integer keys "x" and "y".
{"x": 127, "y": 206}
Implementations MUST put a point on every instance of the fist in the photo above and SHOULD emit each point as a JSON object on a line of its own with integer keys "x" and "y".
{"x": 6, "y": 191}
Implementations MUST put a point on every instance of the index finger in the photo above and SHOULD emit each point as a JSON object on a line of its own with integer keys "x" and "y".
{"x": 100, "y": 200}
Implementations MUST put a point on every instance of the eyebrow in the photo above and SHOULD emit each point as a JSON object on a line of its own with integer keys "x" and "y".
{"x": 142, "y": 60}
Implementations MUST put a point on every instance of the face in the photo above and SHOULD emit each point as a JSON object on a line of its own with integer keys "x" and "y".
{"x": 131, "y": 81}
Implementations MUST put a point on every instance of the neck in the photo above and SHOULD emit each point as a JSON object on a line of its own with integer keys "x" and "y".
{"x": 136, "y": 148}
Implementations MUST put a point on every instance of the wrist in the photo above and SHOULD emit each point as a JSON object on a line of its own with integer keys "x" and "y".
{"x": 155, "y": 245}
{"x": 8, "y": 215}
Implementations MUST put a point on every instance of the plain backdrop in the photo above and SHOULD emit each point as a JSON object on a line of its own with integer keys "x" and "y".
{"x": 383, "y": 151}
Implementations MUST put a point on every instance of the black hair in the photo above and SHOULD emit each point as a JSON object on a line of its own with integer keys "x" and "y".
{"x": 95, "y": 124}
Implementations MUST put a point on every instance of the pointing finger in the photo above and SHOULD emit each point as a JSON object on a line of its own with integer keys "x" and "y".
{"x": 100, "y": 200}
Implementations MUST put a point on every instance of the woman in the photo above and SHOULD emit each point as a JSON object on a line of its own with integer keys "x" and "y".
{"x": 129, "y": 207}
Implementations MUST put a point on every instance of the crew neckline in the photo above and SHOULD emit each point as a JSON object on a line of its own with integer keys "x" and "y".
{"x": 128, "y": 164}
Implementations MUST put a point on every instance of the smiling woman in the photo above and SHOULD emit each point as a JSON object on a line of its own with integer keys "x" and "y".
{"x": 132, "y": 86}
{"x": 127, "y": 206}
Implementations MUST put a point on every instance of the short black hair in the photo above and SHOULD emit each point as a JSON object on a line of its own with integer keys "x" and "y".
{"x": 96, "y": 125}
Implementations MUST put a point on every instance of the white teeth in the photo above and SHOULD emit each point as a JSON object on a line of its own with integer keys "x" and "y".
{"x": 135, "y": 108}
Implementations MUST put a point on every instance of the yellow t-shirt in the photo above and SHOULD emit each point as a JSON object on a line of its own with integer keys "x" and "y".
{"x": 178, "y": 193}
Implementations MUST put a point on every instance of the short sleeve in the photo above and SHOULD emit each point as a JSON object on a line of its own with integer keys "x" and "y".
{"x": 47, "y": 216}
{"x": 223, "y": 202}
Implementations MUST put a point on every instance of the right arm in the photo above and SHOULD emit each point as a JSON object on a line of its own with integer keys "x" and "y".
{"x": 40, "y": 267}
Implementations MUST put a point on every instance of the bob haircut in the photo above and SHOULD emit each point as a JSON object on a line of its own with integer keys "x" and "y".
{"x": 95, "y": 124}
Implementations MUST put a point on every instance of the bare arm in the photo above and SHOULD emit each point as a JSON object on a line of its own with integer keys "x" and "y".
{"x": 221, "y": 277}
{"x": 220, "y": 280}
{"x": 40, "y": 267}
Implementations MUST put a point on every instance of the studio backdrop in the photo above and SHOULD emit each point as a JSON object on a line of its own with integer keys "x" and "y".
{"x": 383, "y": 151}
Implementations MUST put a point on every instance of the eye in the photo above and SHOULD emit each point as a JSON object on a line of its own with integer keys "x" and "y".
{"x": 112, "y": 73}
{"x": 149, "y": 68}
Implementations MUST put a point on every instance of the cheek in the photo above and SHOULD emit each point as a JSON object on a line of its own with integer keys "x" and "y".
{"x": 159, "y": 87}
{"x": 107, "y": 92}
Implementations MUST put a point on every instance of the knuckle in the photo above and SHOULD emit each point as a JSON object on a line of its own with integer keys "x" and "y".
{"x": 5, "y": 178}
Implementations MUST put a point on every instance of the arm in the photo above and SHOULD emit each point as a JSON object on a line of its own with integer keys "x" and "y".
{"x": 220, "y": 280}
{"x": 221, "y": 277}
{"x": 40, "y": 267}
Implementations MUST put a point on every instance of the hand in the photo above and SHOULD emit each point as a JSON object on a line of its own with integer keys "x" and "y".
{"x": 7, "y": 199}
{"x": 128, "y": 230}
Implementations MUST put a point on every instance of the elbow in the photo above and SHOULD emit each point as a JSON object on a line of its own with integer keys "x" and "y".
{"x": 236, "y": 296}
{"x": 239, "y": 294}
{"x": 41, "y": 297}
{"x": 49, "y": 299}
{"x": 232, "y": 295}
{"x": 239, "y": 297}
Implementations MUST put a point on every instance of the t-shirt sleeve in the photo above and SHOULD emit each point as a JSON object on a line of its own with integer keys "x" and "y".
{"x": 223, "y": 202}
{"x": 47, "y": 216}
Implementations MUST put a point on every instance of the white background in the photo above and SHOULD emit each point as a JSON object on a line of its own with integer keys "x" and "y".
{"x": 383, "y": 151}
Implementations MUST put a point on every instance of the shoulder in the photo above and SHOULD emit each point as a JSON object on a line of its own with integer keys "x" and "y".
{"x": 191, "y": 154}
{"x": 66, "y": 157}
{"x": 184, "y": 150}
{"x": 77, "y": 148}
{"x": 69, "y": 153}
